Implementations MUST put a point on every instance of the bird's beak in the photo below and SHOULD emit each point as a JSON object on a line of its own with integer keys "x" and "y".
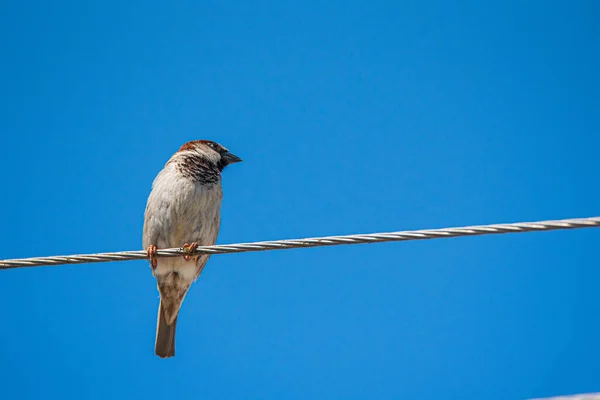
{"x": 230, "y": 158}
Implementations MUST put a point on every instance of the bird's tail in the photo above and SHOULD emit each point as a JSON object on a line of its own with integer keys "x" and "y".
{"x": 165, "y": 335}
{"x": 172, "y": 288}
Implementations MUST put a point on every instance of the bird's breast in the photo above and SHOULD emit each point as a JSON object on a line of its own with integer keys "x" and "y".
{"x": 195, "y": 214}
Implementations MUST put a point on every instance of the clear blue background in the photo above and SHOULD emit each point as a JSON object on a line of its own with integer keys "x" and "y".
{"x": 351, "y": 117}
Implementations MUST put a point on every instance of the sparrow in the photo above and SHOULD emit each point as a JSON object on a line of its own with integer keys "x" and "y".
{"x": 183, "y": 210}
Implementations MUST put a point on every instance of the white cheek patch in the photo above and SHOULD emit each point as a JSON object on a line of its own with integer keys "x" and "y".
{"x": 209, "y": 154}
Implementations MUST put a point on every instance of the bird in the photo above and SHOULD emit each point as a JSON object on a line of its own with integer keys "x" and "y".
{"x": 183, "y": 211}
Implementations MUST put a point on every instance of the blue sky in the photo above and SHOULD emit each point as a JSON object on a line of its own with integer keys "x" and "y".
{"x": 351, "y": 117}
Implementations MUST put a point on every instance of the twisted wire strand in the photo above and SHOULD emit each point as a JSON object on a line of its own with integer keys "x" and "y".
{"x": 583, "y": 396}
{"x": 475, "y": 230}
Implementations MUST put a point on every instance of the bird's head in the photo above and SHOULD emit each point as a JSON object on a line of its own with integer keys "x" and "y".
{"x": 211, "y": 151}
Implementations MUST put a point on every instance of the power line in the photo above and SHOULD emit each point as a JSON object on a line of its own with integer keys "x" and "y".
{"x": 585, "y": 396}
{"x": 475, "y": 230}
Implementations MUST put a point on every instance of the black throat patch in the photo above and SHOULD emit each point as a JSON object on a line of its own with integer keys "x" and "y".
{"x": 198, "y": 168}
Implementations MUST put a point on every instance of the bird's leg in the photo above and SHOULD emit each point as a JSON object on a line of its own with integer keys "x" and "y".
{"x": 151, "y": 252}
{"x": 189, "y": 249}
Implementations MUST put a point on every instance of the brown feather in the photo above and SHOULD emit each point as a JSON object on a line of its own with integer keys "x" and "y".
{"x": 165, "y": 335}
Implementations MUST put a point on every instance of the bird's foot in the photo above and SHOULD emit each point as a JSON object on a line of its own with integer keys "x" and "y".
{"x": 151, "y": 252}
{"x": 189, "y": 249}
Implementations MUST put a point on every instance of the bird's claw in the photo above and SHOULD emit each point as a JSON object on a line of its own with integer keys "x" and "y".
{"x": 189, "y": 249}
{"x": 151, "y": 252}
